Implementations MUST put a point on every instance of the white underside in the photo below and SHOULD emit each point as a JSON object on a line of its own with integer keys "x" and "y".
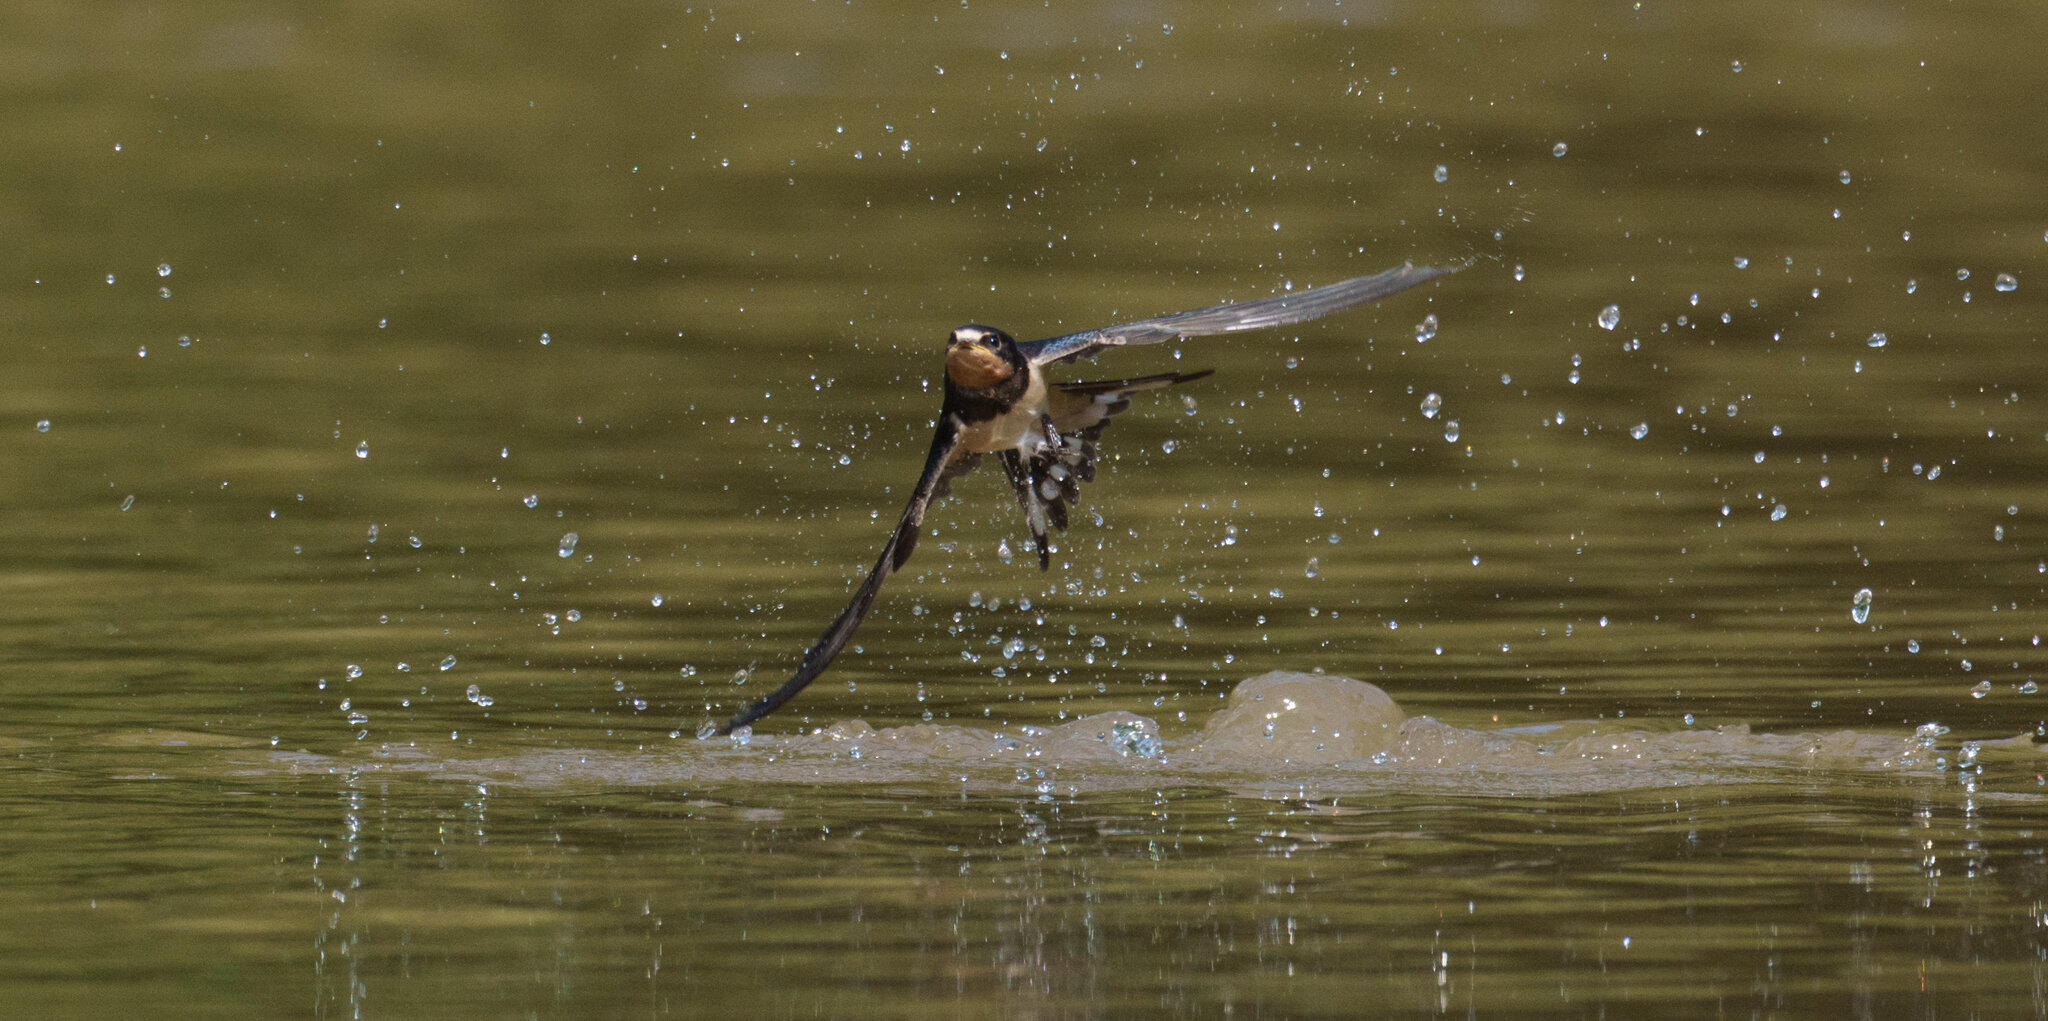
{"x": 1019, "y": 429}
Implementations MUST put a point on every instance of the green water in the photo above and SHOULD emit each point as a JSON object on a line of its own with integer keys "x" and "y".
{"x": 304, "y": 711}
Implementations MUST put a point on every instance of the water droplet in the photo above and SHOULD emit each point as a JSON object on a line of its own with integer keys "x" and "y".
{"x": 1736, "y": 67}
{"x": 128, "y": 502}
{"x": 1610, "y": 317}
{"x": 1980, "y": 689}
{"x": 447, "y": 663}
{"x": 567, "y": 546}
{"x": 659, "y": 599}
{"x": 1443, "y": 173}
{"x": 1558, "y": 149}
{"x": 531, "y": 500}
{"x": 2005, "y": 282}
{"x": 1742, "y": 262}
{"x": 1877, "y": 340}
{"x": 476, "y": 694}
{"x": 1859, "y": 608}
{"x": 1778, "y": 512}
{"x": 1844, "y": 175}
{"x": 2029, "y": 688}
{"x": 1639, "y": 430}
{"x": 1041, "y": 145}
{"x": 1431, "y": 404}
{"x": 363, "y": 450}
{"x": 42, "y": 425}
{"x": 372, "y": 536}
{"x": 573, "y": 615}
{"x": 1314, "y": 568}
{"x": 1451, "y": 431}
{"x": 163, "y": 269}
{"x": 1425, "y": 329}
{"x": 1913, "y": 645}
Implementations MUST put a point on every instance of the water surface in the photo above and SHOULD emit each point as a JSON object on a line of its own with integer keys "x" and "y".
{"x": 326, "y": 330}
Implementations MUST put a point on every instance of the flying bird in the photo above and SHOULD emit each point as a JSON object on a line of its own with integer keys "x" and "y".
{"x": 999, "y": 401}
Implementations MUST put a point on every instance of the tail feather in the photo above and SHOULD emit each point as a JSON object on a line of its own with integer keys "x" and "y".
{"x": 1047, "y": 481}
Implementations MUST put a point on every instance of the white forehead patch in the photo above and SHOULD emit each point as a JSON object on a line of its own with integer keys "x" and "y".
{"x": 970, "y": 334}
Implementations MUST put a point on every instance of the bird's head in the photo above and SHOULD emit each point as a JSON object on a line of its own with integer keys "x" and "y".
{"x": 980, "y": 357}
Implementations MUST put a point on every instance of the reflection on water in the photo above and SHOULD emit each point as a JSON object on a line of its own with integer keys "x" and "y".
{"x": 1253, "y": 865}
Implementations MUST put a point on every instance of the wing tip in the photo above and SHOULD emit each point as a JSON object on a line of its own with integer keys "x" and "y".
{"x": 1425, "y": 273}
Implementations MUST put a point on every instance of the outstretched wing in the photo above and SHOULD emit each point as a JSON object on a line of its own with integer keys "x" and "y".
{"x": 941, "y": 464}
{"x": 1278, "y": 310}
{"x": 1049, "y": 479}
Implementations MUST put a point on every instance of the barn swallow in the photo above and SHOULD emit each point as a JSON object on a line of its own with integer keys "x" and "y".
{"x": 999, "y": 401}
